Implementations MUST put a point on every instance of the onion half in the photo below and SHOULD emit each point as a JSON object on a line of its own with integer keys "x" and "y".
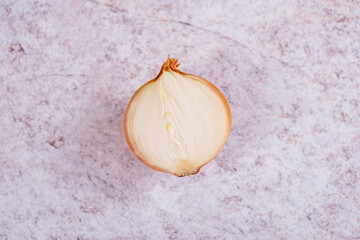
{"x": 177, "y": 122}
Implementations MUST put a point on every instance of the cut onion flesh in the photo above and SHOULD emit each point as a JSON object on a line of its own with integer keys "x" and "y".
{"x": 177, "y": 122}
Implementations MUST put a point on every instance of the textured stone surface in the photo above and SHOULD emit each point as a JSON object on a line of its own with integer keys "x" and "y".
{"x": 290, "y": 168}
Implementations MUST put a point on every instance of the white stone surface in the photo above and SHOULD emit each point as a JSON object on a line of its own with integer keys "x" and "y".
{"x": 290, "y": 168}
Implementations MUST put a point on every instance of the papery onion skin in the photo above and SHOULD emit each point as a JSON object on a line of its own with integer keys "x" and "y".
{"x": 171, "y": 65}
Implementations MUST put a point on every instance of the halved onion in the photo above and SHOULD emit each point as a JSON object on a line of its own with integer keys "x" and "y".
{"x": 177, "y": 122}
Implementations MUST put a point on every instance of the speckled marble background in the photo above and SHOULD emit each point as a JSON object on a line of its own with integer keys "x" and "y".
{"x": 289, "y": 170}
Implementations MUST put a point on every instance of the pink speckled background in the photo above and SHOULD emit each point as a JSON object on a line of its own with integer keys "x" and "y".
{"x": 289, "y": 170}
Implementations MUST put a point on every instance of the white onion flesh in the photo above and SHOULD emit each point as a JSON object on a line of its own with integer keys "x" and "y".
{"x": 177, "y": 123}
